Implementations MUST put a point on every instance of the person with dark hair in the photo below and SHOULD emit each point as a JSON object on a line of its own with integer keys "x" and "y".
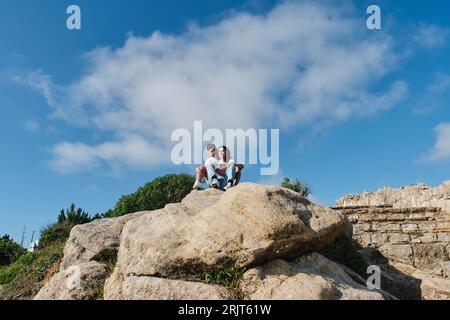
{"x": 211, "y": 176}
{"x": 226, "y": 169}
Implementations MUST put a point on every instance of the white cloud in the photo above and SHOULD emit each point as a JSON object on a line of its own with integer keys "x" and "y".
{"x": 441, "y": 149}
{"x": 301, "y": 64}
{"x": 433, "y": 96}
{"x": 31, "y": 125}
{"x": 133, "y": 151}
{"x": 39, "y": 81}
{"x": 430, "y": 36}
{"x": 71, "y": 157}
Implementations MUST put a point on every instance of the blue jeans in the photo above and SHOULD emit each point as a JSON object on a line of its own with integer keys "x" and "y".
{"x": 230, "y": 174}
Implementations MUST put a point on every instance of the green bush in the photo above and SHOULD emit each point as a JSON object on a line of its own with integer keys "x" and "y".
{"x": 7, "y": 274}
{"x": 60, "y": 231}
{"x": 296, "y": 185}
{"x": 25, "y": 277}
{"x": 54, "y": 233}
{"x": 9, "y": 250}
{"x": 73, "y": 216}
{"x": 154, "y": 195}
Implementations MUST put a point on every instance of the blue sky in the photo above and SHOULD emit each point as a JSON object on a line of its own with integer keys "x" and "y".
{"x": 86, "y": 115}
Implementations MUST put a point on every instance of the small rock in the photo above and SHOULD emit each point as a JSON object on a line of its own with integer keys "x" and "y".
{"x": 83, "y": 281}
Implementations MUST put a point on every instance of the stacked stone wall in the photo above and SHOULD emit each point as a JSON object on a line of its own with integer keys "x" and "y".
{"x": 418, "y": 236}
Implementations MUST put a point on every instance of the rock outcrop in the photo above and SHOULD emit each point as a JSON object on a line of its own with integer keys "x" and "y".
{"x": 416, "y": 236}
{"x": 248, "y": 225}
{"x": 268, "y": 238}
{"x": 309, "y": 277}
{"x": 406, "y": 227}
{"x": 415, "y": 196}
{"x": 165, "y": 254}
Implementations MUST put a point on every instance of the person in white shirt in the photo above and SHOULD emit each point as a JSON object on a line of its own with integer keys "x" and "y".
{"x": 220, "y": 172}
{"x": 225, "y": 169}
{"x": 211, "y": 164}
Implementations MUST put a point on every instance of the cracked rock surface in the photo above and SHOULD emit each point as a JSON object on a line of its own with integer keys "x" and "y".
{"x": 163, "y": 254}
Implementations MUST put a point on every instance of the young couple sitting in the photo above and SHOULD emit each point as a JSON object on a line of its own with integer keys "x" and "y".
{"x": 220, "y": 172}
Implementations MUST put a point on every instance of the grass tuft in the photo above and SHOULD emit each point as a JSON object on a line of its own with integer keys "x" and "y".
{"x": 228, "y": 275}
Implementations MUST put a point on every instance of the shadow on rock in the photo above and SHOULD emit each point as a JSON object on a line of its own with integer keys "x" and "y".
{"x": 351, "y": 254}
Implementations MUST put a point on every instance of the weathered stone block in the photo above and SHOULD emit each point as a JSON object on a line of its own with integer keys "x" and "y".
{"x": 429, "y": 256}
{"x": 399, "y": 238}
{"x": 364, "y": 240}
{"x": 427, "y": 226}
{"x": 417, "y": 217}
{"x": 397, "y": 217}
{"x": 409, "y": 227}
{"x": 443, "y": 226}
{"x": 426, "y": 238}
{"x": 361, "y": 227}
{"x": 445, "y": 265}
{"x": 379, "y": 238}
{"x": 443, "y": 237}
{"x": 398, "y": 252}
{"x": 380, "y": 217}
{"x": 385, "y": 227}
{"x": 367, "y": 218}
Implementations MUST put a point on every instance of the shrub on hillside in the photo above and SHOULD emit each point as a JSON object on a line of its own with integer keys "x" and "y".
{"x": 154, "y": 195}
{"x": 9, "y": 250}
{"x": 60, "y": 231}
{"x": 73, "y": 216}
{"x": 26, "y": 276}
{"x": 8, "y": 273}
{"x": 54, "y": 233}
{"x": 296, "y": 185}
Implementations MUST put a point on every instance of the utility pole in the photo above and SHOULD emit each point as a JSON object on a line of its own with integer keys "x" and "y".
{"x": 23, "y": 236}
{"x": 32, "y": 236}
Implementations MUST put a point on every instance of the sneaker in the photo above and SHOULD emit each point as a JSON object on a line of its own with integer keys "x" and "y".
{"x": 228, "y": 186}
{"x": 215, "y": 184}
{"x": 196, "y": 186}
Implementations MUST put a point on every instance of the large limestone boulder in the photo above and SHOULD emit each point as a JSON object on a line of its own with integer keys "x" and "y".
{"x": 248, "y": 225}
{"x": 152, "y": 288}
{"x": 310, "y": 277}
{"x": 83, "y": 281}
{"x": 163, "y": 253}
